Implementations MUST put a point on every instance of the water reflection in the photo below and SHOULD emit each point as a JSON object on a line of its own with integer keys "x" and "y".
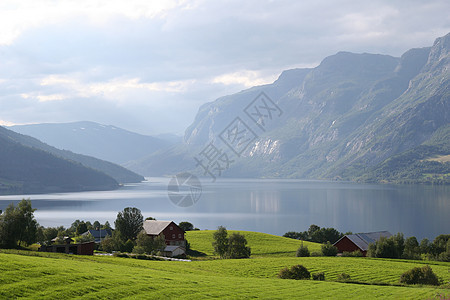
{"x": 272, "y": 206}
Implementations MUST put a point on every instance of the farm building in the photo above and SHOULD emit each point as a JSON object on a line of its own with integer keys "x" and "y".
{"x": 68, "y": 248}
{"x": 173, "y": 235}
{"x": 99, "y": 235}
{"x": 359, "y": 241}
{"x": 173, "y": 251}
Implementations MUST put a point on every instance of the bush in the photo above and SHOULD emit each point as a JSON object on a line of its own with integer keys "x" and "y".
{"x": 318, "y": 276}
{"x": 316, "y": 253}
{"x": 329, "y": 250}
{"x": 355, "y": 253}
{"x": 424, "y": 275}
{"x": 343, "y": 277}
{"x": 303, "y": 251}
{"x": 297, "y": 272}
{"x": 118, "y": 254}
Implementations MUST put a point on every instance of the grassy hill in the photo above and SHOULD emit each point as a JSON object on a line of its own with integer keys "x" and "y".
{"x": 262, "y": 244}
{"x": 51, "y": 275}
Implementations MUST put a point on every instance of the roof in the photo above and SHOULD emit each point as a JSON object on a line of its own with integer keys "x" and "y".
{"x": 154, "y": 227}
{"x": 362, "y": 240}
{"x": 172, "y": 248}
{"x": 66, "y": 238}
{"x": 102, "y": 233}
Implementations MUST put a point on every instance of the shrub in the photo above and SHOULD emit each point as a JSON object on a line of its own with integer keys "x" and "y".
{"x": 316, "y": 254}
{"x": 296, "y": 272}
{"x": 318, "y": 276}
{"x": 424, "y": 275}
{"x": 355, "y": 253}
{"x": 303, "y": 251}
{"x": 329, "y": 250}
{"x": 118, "y": 254}
{"x": 343, "y": 277}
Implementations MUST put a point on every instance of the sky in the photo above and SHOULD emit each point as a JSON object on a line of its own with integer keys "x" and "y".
{"x": 147, "y": 66}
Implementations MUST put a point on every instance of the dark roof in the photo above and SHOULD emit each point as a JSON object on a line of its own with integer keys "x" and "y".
{"x": 362, "y": 240}
{"x": 153, "y": 227}
{"x": 102, "y": 233}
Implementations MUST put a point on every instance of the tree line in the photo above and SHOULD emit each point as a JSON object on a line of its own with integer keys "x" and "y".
{"x": 19, "y": 228}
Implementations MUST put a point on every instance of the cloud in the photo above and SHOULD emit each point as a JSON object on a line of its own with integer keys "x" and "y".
{"x": 148, "y": 65}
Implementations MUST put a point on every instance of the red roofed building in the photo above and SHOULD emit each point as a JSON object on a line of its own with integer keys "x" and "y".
{"x": 359, "y": 241}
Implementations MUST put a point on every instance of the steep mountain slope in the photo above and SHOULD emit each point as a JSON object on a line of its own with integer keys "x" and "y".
{"x": 354, "y": 117}
{"x": 106, "y": 142}
{"x": 29, "y": 170}
{"x": 120, "y": 174}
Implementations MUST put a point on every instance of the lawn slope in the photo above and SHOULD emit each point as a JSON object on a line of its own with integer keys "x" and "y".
{"x": 261, "y": 244}
{"x": 57, "y": 276}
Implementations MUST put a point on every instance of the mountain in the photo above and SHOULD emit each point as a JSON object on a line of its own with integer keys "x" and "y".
{"x": 25, "y": 170}
{"x": 120, "y": 174}
{"x": 363, "y": 117}
{"x": 105, "y": 142}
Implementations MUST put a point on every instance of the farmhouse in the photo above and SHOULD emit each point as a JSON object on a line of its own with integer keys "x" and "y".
{"x": 99, "y": 235}
{"x": 359, "y": 241}
{"x": 173, "y": 235}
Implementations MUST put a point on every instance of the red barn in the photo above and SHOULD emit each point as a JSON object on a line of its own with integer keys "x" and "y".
{"x": 173, "y": 234}
{"x": 359, "y": 241}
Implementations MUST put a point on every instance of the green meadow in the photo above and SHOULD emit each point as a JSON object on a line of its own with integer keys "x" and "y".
{"x": 34, "y": 275}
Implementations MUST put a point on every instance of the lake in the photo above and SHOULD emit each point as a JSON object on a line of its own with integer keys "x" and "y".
{"x": 264, "y": 205}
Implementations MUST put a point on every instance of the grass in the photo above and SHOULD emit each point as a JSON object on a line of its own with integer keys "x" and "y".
{"x": 35, "y": 275}
{"x": 440, "y": 158}
{"x": 261, "y": 244}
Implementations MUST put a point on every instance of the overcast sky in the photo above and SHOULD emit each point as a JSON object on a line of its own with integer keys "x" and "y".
{"x": 147, "y": 66}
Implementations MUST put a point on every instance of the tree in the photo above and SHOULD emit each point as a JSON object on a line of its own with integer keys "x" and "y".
{"x": 220, "y": 243}
{"x": 97, "y": 225}
{"x": 85, "y": 238}
{"x": 329, "y": 250}
{"x": 81, "y": 228}
{"x": 47, "y": 234}
{"x": 147, "y": 244}
{"x": 237, "y": 246}
{"x": 412, "y": 250}
{"x": 129, "y": 223}
{"x": 303, "y": 251}
{"x": 17, "y": 225}
{"x": 107, "y": 225}
{"x": 186, "y": 226}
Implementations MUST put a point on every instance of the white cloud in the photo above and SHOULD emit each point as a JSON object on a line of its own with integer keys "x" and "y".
{"x": 245, "y": 78}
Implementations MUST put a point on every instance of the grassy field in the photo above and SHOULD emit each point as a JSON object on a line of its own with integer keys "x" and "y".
{"x": 262, "y": 244}
{"x": 55, "y": 276}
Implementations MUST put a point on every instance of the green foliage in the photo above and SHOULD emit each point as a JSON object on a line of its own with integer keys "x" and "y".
{"x": 318, "y": 276}
{"x": 148, "y": 245}
{"x": 85, "y": 238}
{"x": 297, "y": 272}
{"x": 112, "y": 243}
{"x": 412, "y": 249}
{"x": 355, "y": 253}
{"x": 81, "y": 228}
{"x": 127, "y": 246}
{"x": 220, "y": 243}
{"x": 17, "y": 225}
{"x": 424, "y": 275}
{"x": 391, "y": 247}
{"x": 129, "y": 223}
{"x": 186, "y": 226}
{"x": 237, "y": 246}
{"x": 329, "y": 250}
{"x": 344, "y": 277}
{"x": 303, "y": 251}
{"x": 316, "y": 234}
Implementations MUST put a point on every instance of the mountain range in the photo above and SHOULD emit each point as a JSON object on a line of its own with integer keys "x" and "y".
{"x": 105, "y": 142}
{"x": 361, "y": 117}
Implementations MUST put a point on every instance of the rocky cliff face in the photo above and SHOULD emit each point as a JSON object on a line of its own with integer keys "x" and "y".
{"x": 338, "y": 120}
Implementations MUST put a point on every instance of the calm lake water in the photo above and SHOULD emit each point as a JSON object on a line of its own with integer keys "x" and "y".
{"x": 271, "y": 206}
